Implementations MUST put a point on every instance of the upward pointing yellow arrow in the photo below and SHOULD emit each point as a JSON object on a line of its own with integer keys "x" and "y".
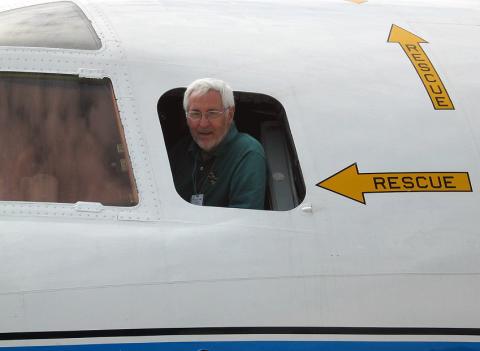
{"x": 410, "y": 44}
{"x": 358, "y": 1}
{"x": 402, "y": 36}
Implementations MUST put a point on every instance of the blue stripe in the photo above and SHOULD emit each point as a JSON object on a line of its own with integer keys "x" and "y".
{"x": 263, "y": 346}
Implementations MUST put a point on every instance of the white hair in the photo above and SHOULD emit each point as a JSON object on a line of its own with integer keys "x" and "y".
{"x": 204, "y": 85}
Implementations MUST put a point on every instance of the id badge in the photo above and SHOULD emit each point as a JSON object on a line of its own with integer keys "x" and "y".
{"x": 197, "y": 199}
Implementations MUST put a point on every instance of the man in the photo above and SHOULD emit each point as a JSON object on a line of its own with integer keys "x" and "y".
{"x": 216, "y": 165}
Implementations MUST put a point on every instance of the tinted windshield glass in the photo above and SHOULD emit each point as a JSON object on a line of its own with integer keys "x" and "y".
{"x": 61, "y": 140}
{"x": 54, "y": 25}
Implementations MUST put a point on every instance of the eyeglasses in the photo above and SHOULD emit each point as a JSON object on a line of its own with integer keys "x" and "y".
{"x": 209, "y": 115}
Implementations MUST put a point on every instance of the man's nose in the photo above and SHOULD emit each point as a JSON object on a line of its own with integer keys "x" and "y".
{"x": 204, "y": 121}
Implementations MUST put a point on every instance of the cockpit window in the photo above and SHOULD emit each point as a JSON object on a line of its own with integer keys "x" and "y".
{"x": 265, "y": 119}
{"x": 54, "y": 25}
{"x": 61, "y": 140}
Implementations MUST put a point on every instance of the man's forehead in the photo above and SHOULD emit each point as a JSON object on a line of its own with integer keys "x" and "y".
{"x": 211, "y": 96}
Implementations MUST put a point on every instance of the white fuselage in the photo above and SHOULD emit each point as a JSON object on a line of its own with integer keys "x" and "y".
{"x": 403, "y": 260}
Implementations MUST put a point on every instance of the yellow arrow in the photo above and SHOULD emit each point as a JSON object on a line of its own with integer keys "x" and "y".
{"x": 358, "y": 1}
{"x": 410, "y": 44}
{"x": 352, "y": 184}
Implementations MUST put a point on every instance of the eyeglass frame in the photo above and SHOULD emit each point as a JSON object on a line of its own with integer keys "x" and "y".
{"x": 217, "y": 114}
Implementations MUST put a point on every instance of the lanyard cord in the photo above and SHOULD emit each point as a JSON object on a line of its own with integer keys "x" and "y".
{"x": 194, "y": 175}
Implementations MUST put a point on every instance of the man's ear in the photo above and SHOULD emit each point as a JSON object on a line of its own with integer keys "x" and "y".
{"x": 231, "y": 112}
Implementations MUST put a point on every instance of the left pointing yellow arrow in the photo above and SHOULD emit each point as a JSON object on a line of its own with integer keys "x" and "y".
{"x": 352, "y": 184}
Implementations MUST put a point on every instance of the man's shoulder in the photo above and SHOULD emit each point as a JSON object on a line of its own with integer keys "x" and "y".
{"x": 180, "y": 156}
{"x": 246, "y": 143}
{"x": 182, "y": 146}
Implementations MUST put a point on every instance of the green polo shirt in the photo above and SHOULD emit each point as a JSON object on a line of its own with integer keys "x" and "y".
{"x": 234, "y": 174}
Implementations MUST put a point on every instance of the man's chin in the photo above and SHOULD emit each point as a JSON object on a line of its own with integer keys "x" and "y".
{"x": 206, "y": 146}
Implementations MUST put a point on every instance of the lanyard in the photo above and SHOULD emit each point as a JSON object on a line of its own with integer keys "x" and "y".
{"x": 205, "y": 179}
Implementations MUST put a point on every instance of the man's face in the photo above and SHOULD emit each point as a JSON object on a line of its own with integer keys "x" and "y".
{"x": 208, "y": 133}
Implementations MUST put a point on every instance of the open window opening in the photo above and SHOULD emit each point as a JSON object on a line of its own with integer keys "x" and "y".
{"x": 264, "y": 118}
{"x": 61, "y": 140}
